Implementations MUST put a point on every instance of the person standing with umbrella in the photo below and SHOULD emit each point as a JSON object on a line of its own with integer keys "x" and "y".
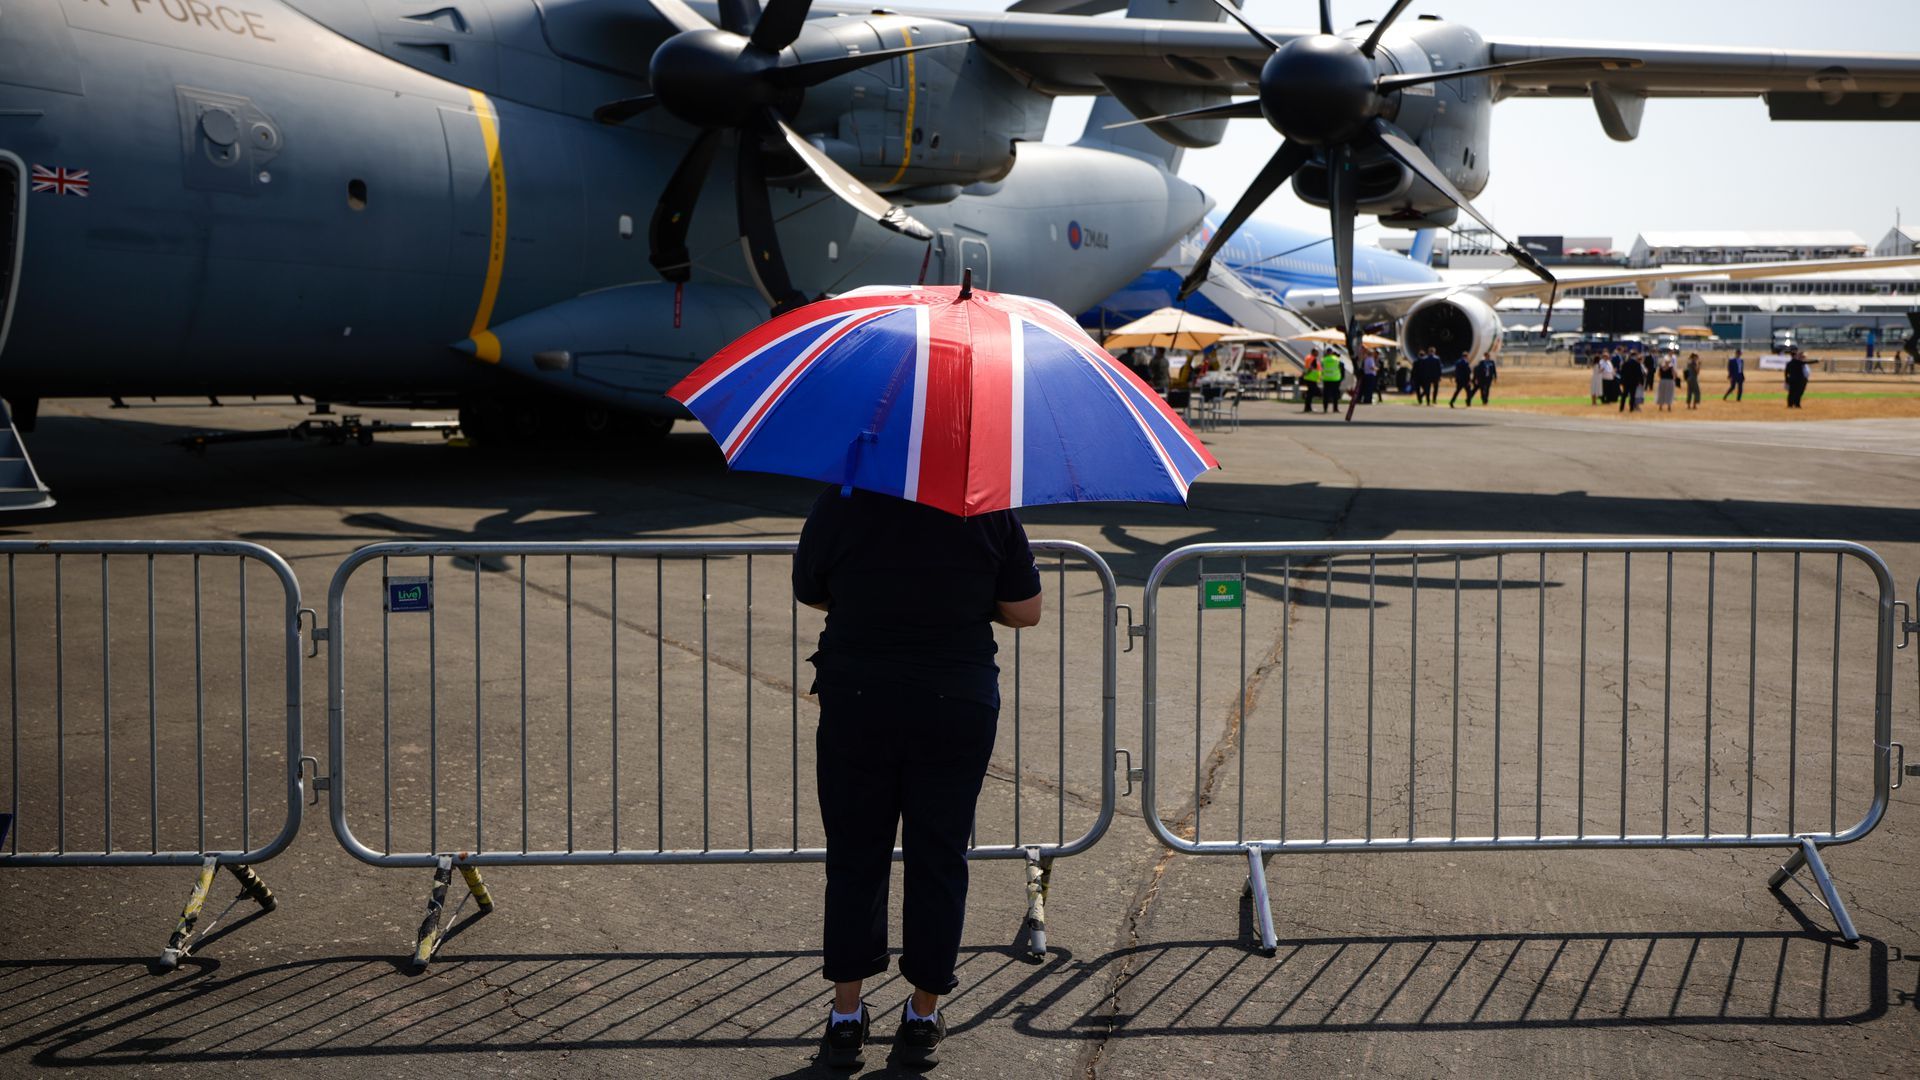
{"x": 932, "y": 413}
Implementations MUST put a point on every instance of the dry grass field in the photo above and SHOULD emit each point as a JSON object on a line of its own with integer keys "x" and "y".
{"x": 1526, "y": 383}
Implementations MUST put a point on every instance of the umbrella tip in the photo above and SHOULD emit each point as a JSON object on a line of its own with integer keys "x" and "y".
{"x": 966, "y": 284}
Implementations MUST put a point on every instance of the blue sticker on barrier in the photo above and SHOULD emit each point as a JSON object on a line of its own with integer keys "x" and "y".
{"x": 409, "y": 594}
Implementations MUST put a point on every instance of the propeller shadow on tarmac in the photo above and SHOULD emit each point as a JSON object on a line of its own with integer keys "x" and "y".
{"x": 108, "y": 1011}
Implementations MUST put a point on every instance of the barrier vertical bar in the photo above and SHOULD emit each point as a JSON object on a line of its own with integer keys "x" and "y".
{"x": 1199, "y": 651}
{"x": 479, "y": 753}
{"x": 525, "y": 791}
{"x": 60, "y": 702}
{"x": 1753, "y": 672}
{"x": 569, "y": 700}
{"x": 386, "y": 706}
{"x": 1372, "y": 578}
{"x": 659, "y": 703}
{"x": 1453, "y": 789}
{"x": 1833, "y": 745}
{"x": 1666, "y": 710}
{"x": 1017, "y": 770}
{"x": 106, "y": 713}
{"x": 1580, "y": 765}
{"x": 749, "y": 703}
{"x": 706, "y": 771}
{"x": 1706, "y": 753}
{"x": 1286, "y": 644}
{"x": 1060, "y": 793}
{"x": 1326, "y": 709}
{"x": 1413, "y": 698}
{"x": 1240, "y": 712}
{"x": 1540, "y": 706}
{"x": 1499, "y": 664}
{"x": 246, "y": 749}
{"x": 13, "y": 706}
{"x": 153, "y": 711}
{"x": 433, "y": 718}
{"x": 793, "y": 705}
{"x": 1626, "y": 675}
{"x": 613, "y": 669}
{"x": 199, "y": 714}
{"x": 1793, "y": 707}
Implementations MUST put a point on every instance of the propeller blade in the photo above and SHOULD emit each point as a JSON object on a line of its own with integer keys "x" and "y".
{"x": 848, "y": 188}
{"x": 1380, "y": 28}
{"x": 815, "y": 72}
{"x": 1232, "y": 110}
{"x": 1340, "y": 204}
{"x": 680, "y": 15}
{"x": 1326, "y": 16}
{"x": 1228, "y": 7}
{"x": 1387, "y": 84}
{"x": 619, "y": 112}
{"x": 673, "y": 214}
{"x": 1411, "y": 156}
{"x": 780, "y": 24}
{"x": 1284, "y": 163}
{"x": 739, "y": 16}
{"x": 759, "y": 242}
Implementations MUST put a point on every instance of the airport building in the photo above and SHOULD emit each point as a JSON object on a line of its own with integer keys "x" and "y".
{"x": 1837, "y": 309}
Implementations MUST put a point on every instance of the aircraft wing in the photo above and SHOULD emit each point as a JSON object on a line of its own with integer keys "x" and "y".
{"x": 1059, "y": 50}
{"x": 1393, "y": 301}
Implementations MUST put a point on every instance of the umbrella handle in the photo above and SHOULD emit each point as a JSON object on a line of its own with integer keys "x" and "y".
{"x": 966, "y": 284}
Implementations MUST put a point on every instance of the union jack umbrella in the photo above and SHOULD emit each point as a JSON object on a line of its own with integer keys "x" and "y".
{"x": 962, "y": 399}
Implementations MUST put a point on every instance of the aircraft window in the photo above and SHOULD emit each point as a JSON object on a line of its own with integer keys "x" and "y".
{"x": 935, "y": 143}
{"x": 626, "y": 226}
{"x": 833, "y": 251}
{"x": 357, "y": 194}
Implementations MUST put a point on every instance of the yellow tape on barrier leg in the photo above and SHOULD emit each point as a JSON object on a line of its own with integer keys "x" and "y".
{"x": 1039, "y": 879}
{"x": 477, "y": 887}
{"x": 429, "y": 938}
{"x": 177, "y": 946}
{"x": 252, "y": 887}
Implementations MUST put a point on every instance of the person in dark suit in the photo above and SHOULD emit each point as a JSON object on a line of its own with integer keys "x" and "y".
{"x": 1462, "y": 381}
{"x": 1632, "y": 376}
{"x": 1797, "y": 378}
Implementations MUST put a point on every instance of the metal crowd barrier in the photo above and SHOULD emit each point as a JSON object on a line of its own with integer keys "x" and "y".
{"x": 583, "y": 703}
{"x": 1520, "y": 695}
{"x": 106, "y": 684}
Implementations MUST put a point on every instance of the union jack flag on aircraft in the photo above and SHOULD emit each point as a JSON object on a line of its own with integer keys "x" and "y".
{"x": 969, "y": 403}
{"x": 61, "y": 181}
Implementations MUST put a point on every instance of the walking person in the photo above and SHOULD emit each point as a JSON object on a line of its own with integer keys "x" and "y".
{"x": 1693, "y": 380}
{"x": 1797, "y": 378}
{"x": 1369, "y": 376}
{"x": 1484, "y": 373}
{"x": 1736, "y": 377}
{"x": 1663, "y": 388}
{"x": 1462, "y": 381}
{"x": 1310, "y": 378}
{"x": 1631, "y": 375}
{"x": 909, "y": 702}
{"x": 1599, "y": 378}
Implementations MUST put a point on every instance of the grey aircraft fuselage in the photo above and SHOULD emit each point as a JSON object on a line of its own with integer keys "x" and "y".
{"x": 274, "y": 202}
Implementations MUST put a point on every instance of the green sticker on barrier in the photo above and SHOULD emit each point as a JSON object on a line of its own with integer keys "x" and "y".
{"x": 1224, "y": 592}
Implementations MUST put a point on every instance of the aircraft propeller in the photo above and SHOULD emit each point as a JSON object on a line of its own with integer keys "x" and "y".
{"x": 740, "y": 77}
{"x": 1326, "y": 94}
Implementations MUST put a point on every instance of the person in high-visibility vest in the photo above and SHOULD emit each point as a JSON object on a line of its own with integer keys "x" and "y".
{"x": 1332, "y": 371}
{"x": 1310, "y": 379}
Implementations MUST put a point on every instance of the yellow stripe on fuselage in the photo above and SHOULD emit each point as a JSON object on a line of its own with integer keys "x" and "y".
{"x": 906, "y": 144}
{"x": 486, "y": 346}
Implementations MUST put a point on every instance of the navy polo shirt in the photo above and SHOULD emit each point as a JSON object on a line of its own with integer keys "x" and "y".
{"x": 911, "y": 592}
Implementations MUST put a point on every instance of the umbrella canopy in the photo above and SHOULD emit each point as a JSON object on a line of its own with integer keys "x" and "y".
{"x": 1172, "y": 328}
{"x": 1661, "y": 330}
{"x": 1335, "y": 336}
{"x": 1696, "y": 331}
{"x": 965, "y": 400}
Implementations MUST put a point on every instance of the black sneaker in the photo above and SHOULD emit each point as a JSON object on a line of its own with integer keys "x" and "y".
{"x": 918, "y": 1043}
{"x": 844, "y": 1044}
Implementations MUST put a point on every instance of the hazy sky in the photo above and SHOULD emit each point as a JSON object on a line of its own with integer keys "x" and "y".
{"x": 1697, "y": 164}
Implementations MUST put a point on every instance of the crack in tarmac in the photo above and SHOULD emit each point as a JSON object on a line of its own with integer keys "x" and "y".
{"x": 1140, "y": 912}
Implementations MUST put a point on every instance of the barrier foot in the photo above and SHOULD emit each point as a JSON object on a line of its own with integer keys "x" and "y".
{"x": 252, "y": 887}
{"x": 1039, "y": 877}
{"x": 181, "y": 942}
{"x": 433, "y": 929}
{"x": 1262, "y": 904}
{"x": 1808, "y": 856}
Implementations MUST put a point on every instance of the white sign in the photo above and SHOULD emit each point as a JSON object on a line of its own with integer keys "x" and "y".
{"x": 1774, "y": 362}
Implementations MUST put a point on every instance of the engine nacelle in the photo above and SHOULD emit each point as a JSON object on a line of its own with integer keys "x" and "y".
{"x": 1454, "y": 326}
{"x": 936, "y": 120}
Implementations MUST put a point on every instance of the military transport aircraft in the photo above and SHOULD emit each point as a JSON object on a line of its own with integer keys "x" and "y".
{"x": 498, "y": 203}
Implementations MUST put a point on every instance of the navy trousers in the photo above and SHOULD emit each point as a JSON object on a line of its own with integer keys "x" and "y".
{"x": 897, "y": 758}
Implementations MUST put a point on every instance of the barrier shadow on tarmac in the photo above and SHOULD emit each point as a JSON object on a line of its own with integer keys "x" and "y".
{"x": 109, "y": 1011}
